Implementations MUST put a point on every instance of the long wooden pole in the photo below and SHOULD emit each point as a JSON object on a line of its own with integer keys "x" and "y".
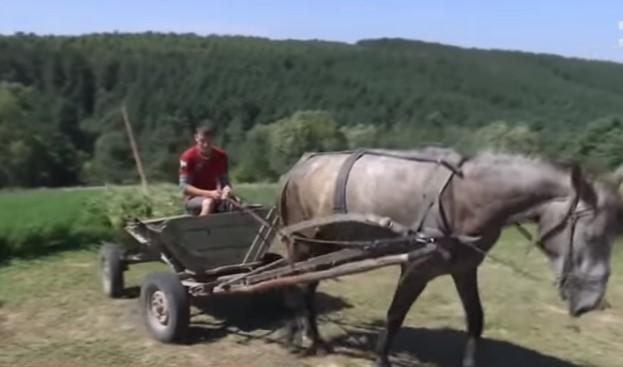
{"x": 137, "y": 157}
{"x": 414, "y": 258}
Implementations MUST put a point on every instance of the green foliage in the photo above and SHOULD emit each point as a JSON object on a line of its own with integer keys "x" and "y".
{"x": 273, "y": 148}
{"x": 601, "y": 143}
{"x": 41, "y": 221}
{"x": 305, "y": 131}
{"x": 60, "y": 97}
{"x": 254, "y": 165}
{"x": 116, "y": 205}
{"x": 37, "y": 222}
{"x": 502, "y": 136}
{"x": 360, "y": 135}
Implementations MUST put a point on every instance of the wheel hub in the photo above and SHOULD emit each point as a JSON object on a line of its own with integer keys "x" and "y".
{"x": 159, "y": 307}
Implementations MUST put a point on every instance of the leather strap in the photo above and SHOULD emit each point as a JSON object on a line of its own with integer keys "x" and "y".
{"x": 339, "y": 198}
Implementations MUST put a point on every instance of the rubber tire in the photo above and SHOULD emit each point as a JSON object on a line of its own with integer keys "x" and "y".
{"x": 111, "y": 257}
{"x": 177, "y": 301}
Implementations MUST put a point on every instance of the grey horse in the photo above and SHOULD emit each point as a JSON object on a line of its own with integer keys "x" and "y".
{"x": 577, "y": 222}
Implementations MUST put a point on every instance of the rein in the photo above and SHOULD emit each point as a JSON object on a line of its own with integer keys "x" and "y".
{"x": 567, "y": 277}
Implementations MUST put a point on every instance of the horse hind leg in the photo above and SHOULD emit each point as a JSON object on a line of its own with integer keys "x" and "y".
{"x": 300, "y": 302}
{"x": 467, "y": 286}
{"x": 319, "y": 346}
{"x": 295, "y": 324}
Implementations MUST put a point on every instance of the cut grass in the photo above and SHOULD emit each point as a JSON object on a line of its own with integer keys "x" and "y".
{"x": 54, "y": 313}
{"x": 37, "y": 222}
{"x": 46, "y": 208}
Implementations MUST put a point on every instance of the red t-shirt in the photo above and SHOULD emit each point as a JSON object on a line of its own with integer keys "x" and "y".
{"x": 201, "y": 172}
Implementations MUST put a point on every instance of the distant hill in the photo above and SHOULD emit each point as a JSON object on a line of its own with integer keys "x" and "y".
{"x": 59, "y": 96}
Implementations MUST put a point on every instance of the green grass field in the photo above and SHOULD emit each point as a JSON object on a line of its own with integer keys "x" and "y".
{"x": 52, "y": 311}
{"x": 36, "y": 222}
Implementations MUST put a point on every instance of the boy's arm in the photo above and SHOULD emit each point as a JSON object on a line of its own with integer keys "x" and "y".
{"x": 224, "y": 182}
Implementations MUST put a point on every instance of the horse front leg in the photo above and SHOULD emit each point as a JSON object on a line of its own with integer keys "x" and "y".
{"x": 467, "y": 286}
{"x": 409, "y": 288}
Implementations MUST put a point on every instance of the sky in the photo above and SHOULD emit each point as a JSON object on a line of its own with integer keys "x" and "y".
{"x": 577, "y": 28}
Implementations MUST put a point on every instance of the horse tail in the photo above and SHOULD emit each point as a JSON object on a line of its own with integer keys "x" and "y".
{"x": 280, "y": 204}
{"x": 281, "y": 201}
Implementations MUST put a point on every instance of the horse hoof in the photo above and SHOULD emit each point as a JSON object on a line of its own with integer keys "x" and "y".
{"x": 469, "y": 362}
{"x": 319, "y": 349}
{"x": 293, "y": 349}
{"x": 382, "y": 362}
{"x": 293, "y": 346}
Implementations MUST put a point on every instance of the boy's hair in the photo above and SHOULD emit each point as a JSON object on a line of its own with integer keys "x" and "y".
{"x": 205, "y": 127}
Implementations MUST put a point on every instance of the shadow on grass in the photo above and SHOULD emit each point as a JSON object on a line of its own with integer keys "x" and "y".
{"x": 440, "y": 347}
{"x": 251, "y": 316}
{"x": 131, "y": 292}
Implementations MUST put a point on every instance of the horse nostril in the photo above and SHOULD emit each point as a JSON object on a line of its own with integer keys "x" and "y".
{"x": 563, "y": 294}
{"x": 580, "y": 311}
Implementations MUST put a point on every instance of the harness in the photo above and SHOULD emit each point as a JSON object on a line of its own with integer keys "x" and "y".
{"x": 432, "y": 194}
{"x": 568, "y": 277}
{"x": 446, "y": 159}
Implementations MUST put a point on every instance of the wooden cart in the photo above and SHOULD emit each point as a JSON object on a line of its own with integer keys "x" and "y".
{"x": 229, "y": 252}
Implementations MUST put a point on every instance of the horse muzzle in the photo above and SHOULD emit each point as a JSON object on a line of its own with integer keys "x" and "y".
{"x": 582, "y": 301}
{"x": 583, "y": 295}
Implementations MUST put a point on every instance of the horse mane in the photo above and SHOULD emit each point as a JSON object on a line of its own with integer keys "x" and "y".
{"x": 605, "y": 185}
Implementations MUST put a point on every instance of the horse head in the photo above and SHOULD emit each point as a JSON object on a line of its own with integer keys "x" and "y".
{"x": 577, "y": 235}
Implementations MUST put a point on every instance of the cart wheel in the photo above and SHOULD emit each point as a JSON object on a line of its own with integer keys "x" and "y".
{"x": 165, "y": 307}
{"x": 111, "y": 268}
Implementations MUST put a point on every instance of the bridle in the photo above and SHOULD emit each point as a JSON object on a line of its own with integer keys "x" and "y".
{"x": 568, "y": 276}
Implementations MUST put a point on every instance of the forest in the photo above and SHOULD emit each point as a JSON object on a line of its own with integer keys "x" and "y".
{"x": 60, "y": 100}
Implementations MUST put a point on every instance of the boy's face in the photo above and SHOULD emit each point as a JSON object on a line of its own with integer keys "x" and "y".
{"x": 204, "y": 143}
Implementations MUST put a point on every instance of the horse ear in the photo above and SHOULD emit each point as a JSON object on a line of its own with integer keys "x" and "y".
{"x": 582, "y": 186}
{"x": 616, "y": 177}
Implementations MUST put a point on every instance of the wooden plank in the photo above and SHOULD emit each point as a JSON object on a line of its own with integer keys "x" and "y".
{"x": 415, "y": 257}
{"x": 264, "y": 238}
{"x": 201, "y": 243}
{"x": 365, "y": 220}
{"x": 327, "y": 260}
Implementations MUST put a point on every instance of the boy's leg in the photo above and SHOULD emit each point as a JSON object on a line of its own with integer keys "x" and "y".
{"x": 194, "y": 205}
{"x": 207, "y": 206}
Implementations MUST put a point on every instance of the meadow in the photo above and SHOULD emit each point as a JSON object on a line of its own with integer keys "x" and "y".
{"x": 38, "y": 222}
{"x": 52, "y": 311}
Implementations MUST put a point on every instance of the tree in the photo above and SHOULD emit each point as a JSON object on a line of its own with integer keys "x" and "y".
{"x": 254, "y": 164}
{"x": 501, "y": 136}
{"x": 601, "y": 143}
{"x": 112, "y": 160}
{"x": 271, "y": 149}
{"x": 304, "y": 131}
{"x": 360, "y": 135}
{"x": 391, "y": 93}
